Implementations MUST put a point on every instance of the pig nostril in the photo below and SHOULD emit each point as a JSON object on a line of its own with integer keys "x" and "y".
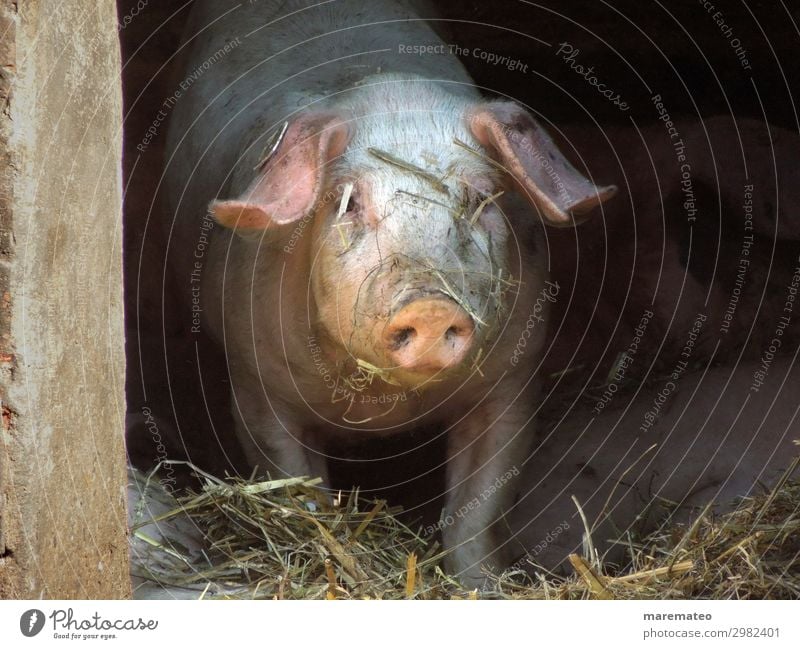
{"x": 428, "y": 335}
{"x": 452, "y": 332}
{"x": 402, "y": 337}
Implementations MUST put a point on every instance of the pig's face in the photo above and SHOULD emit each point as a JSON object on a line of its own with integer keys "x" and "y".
{"x": 410, "y": 268}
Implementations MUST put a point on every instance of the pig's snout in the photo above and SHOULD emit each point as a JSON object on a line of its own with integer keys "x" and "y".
{"x": 429, "y": 335}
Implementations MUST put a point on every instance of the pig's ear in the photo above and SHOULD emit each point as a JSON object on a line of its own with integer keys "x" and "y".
{"x": 525, "y": 151}
{"x": 289, "y": 183}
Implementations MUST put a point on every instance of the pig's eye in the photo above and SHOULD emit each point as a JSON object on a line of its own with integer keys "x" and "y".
{"x": 351, "y": 204}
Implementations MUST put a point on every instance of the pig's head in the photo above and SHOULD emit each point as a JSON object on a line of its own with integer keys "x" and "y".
{"x": 413, "y": 255}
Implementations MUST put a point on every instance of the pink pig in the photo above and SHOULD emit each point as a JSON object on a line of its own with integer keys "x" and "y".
{"x": 374, "y": 251}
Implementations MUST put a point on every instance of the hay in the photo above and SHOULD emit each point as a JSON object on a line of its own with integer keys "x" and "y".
{"x": 450, "y": 292}
{"x": 479, "y": 154}
{"x": 365, "y": 374}
{"x": 271, "y": 147}
{"x": 411, "y": 168}
{"x": 285, "y": 539}
{"x": 428, "y": 200}
{"x": 482, "y": 206}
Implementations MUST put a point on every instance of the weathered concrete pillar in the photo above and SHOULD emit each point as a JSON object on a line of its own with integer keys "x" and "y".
{"x": 62, "y": 463}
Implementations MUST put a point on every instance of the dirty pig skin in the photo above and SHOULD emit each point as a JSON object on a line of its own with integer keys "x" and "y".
{"x": 376, "y": 204}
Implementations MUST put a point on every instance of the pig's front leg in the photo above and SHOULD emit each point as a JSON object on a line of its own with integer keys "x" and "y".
{"x": 485, "y": 455}
{"x": 277, "y": 444}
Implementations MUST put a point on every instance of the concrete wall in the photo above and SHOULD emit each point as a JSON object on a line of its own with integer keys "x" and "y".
{"x": 62, "y": 462}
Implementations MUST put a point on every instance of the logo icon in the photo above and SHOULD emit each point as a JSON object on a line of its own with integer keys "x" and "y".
{"x": 31, "y": 622}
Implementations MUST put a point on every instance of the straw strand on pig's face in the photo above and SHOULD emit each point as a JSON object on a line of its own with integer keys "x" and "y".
{"x": 410, "y": 275}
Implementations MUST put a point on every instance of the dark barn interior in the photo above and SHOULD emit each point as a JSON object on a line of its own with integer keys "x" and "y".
{"x": 646, "y": 252}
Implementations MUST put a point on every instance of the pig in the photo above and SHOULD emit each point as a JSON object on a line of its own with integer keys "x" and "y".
{"x": 363, "y": 233}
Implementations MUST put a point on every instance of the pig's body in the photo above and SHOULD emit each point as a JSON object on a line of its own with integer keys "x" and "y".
{"x": 399, "y": 308}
